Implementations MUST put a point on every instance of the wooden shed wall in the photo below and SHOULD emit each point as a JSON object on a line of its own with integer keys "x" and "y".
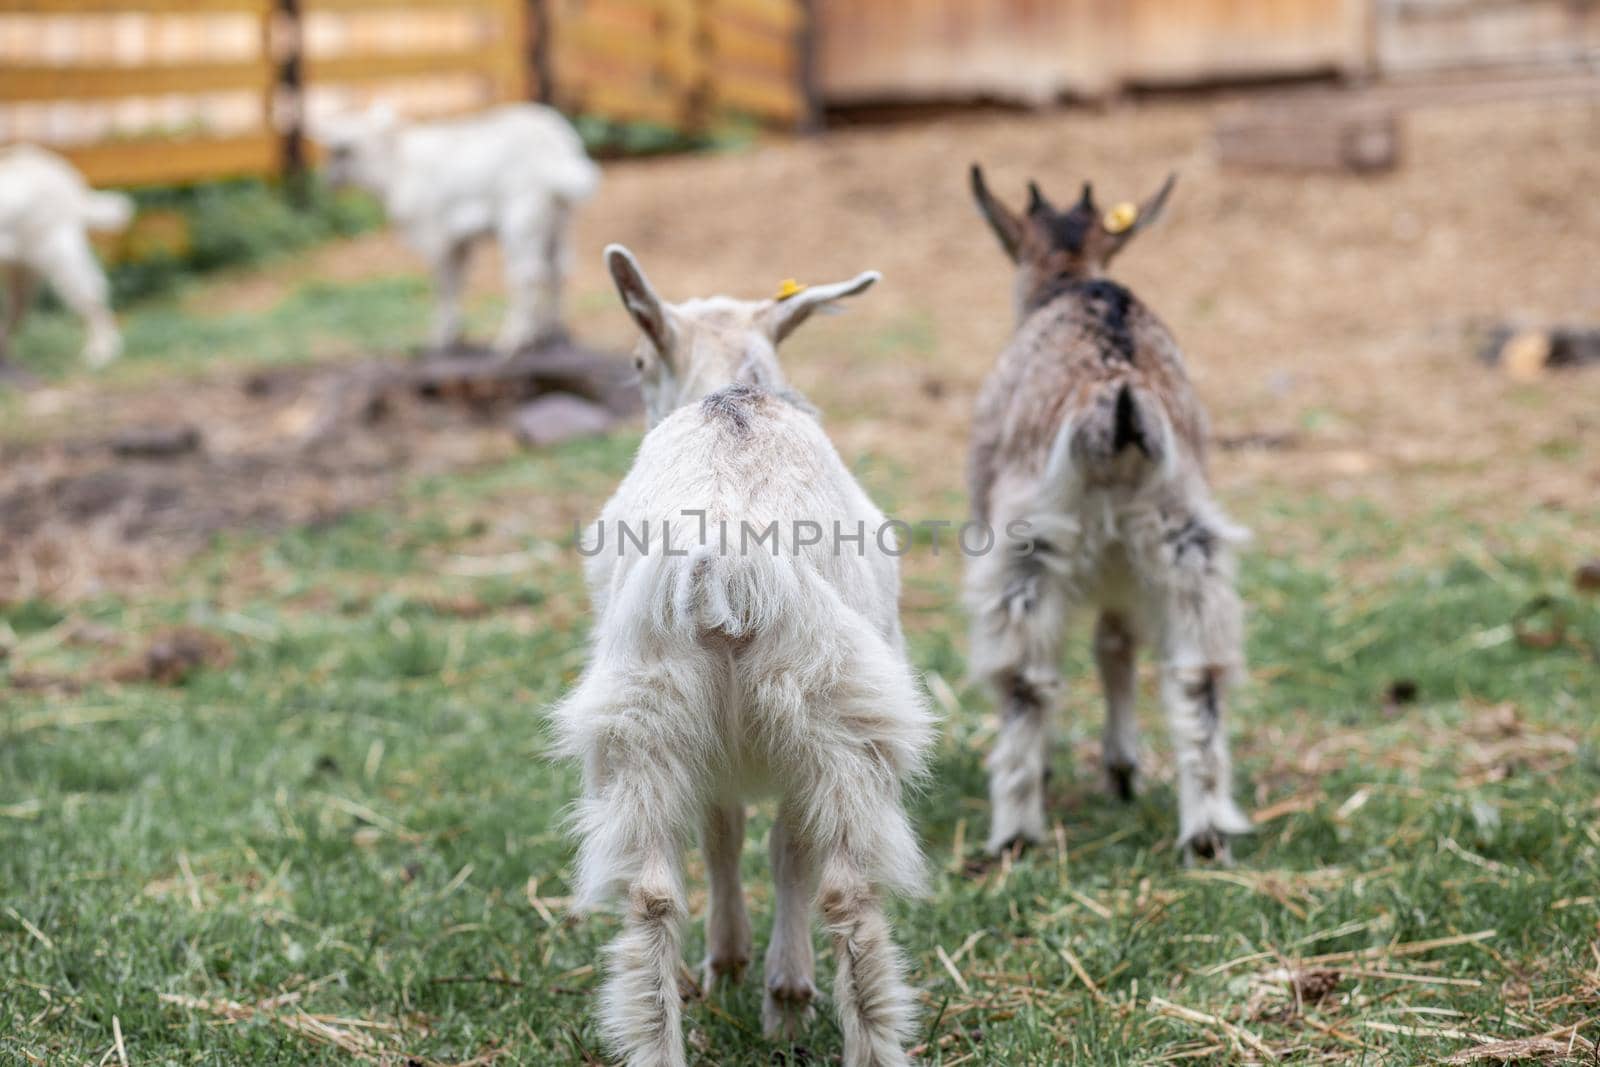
{"x": 1424, "y": 36}
{"x": 1034, "y": 51}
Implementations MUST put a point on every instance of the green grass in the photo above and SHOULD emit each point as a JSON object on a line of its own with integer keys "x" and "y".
{"x": 314, "y": 321}
{"x": 351, "y": 815}
{"x": 353, "y": 810}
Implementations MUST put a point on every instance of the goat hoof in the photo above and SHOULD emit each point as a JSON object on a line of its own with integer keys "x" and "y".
{"x": 1207, "y": 846}
{"x": 1015, "y": 845}
{"x": 718, "y": 969}
{"x": 1120, "y": 782}
{"x": 788, "y": 1006}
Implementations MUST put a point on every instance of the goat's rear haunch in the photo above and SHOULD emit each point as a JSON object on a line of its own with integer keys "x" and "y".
{"x": 718, "y": 675}
{"x": 1089, "y": 430}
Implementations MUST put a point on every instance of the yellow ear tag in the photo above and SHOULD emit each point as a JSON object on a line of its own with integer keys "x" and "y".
{"x": 1120, "y": 218}
{"x": 787, "y": 288}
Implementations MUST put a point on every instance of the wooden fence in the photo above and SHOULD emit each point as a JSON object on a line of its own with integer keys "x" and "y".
{"x": 143, "y": 91}
{"x": 679, "y": 63}
{"x": 154, "y": 91}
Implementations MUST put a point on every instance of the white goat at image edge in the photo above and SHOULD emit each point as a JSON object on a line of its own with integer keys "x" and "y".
{"x": 46, "y": 213}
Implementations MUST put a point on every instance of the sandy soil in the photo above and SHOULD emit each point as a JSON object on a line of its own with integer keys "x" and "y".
{"x": 1329, "y": 320}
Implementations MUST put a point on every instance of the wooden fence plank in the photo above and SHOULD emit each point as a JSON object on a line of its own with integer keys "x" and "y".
{"x": 640, "y": 50}
{"x": 399, "y": 7}
{"x": 630, "y": 103}
{"x": 161, "y": 161}
{"x": 380, "y": 66}
{"x": 783, "y": 16}
{"x": 50, "y": 8}
{"x": 750, "y": 48}
{"x": 781, "y": 101}
{"x": 29, "y": 82}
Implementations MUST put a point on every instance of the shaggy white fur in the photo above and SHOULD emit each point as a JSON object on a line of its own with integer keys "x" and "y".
{"x": 720, "y": 673}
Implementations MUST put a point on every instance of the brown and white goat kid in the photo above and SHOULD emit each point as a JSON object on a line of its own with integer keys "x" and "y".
{"x": 1088, "y": 430}
{"x": 725, "y": 667}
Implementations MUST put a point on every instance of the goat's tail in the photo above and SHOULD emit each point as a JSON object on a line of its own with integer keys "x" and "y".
{"x": 110, "y": 212}
{"x": 1121, "y": 436}
{"x": 573, "y": 178}
{"x": 737, "y": 595}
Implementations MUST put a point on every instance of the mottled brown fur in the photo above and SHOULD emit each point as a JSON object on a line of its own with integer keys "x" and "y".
{"x": 1063, "y": 360}
{"x": 1089, "y": 432}
{"x": 1059, "y": 363}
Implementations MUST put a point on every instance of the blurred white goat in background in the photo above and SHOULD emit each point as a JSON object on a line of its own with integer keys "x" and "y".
{"x": 46, "y": 211}
{"x": 513, "y": 173}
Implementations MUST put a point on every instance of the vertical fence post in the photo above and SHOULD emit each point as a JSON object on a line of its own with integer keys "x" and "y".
{"x": 701, "y": 88}
{"x": 286, "y": 110}
{"x": 541, "y": 79}
{"x": 808, "y": 48}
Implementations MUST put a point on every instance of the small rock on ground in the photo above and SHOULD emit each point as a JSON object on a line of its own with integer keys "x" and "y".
{"x": 557, "y": 417}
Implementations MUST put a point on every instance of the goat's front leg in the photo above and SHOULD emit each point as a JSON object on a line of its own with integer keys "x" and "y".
{"x": 1202, "y": 651}
{"x": 791, "y": 960}
{"x": 728, "y": 939}
{"x": 449, "y": 263}
{"x": 1115, "y": 647}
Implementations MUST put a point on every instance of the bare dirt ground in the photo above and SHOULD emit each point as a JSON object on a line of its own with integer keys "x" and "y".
{"x": 1329, "y": 321}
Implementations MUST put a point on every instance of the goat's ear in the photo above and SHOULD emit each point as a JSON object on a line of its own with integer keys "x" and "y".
{"x": 641, "y": 301}
{"x": 1007, "y": 226}
{"x": 1148, "y": 212}
{"x": 785, "y": 313}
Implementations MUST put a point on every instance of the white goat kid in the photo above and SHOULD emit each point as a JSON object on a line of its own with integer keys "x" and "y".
{"x": 513, "y": 173}
{"x": 46, "y": 211}
{"x": 724, "y": 667}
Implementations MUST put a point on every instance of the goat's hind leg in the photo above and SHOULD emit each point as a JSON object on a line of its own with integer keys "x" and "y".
{"x": 870, "y": 995}
{"x": 1202, "y": 651}
{"x": 1115, "y": 648}
{"x": 850, "y": 738}
{"x": 641, "y": 1012}
{"x": 790, "y": 969}
{"x": 865, "y": 846}
{"x": 1021, "y": 614}
{"x": 728, "y": 938}
{"x": 19, "y": 298}
{"x": 632, "y": 826}
{"x": 69, "y": 265}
